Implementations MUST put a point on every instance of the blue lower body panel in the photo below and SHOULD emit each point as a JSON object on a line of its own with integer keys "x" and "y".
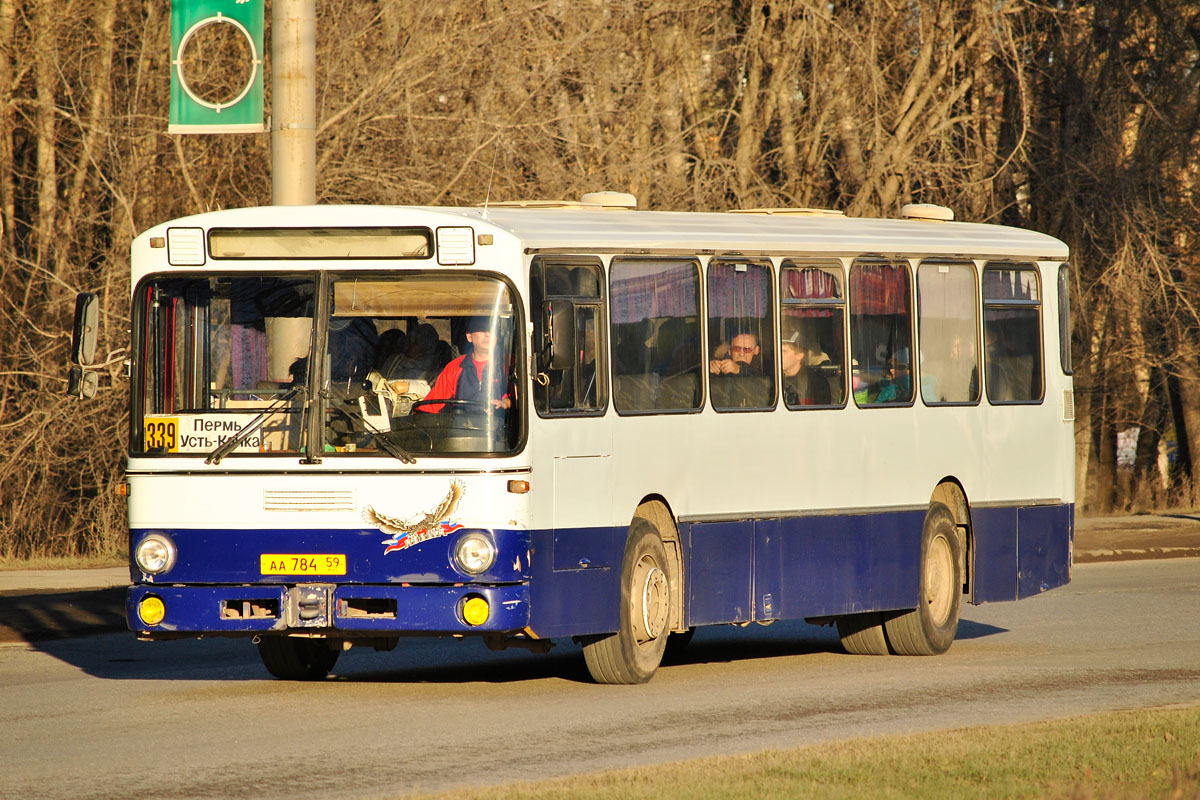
{"x": 579, "y": 601}
{"x": 568, "y": 582}
{"x": 802, "y": 566}
{"x": 1020, "y": 551}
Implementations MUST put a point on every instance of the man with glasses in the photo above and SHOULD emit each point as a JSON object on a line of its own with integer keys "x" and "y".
{"x": 744, "y": 357}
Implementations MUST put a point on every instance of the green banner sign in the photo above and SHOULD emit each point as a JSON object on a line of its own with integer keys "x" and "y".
{"x": 216, "y": 72}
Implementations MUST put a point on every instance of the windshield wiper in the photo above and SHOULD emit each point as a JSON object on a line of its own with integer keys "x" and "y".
{"x": 229, "y": 445}
{"x": 393, "y": 449}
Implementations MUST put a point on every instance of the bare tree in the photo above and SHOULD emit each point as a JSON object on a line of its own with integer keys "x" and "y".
{"x": 1072, "y": 118}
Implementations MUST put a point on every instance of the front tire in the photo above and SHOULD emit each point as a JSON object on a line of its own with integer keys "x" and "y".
{"x": 297, "y": 659}
{"x": 929, "y": 629}
{"x": 633, "y": 653}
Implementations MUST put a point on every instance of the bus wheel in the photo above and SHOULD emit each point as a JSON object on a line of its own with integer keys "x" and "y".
{"x": 929, "y": 629}
{"x": 862, "y": 634}
{"x": 296, "y": 659}
{"x": 633, "y": 653}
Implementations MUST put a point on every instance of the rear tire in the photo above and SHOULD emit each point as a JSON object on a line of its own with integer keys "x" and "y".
{"x": 297, "y": 659}
{"x": 633, "y": 653}
{"x": 862, "y": 634}
{"x": 929, "y": 629}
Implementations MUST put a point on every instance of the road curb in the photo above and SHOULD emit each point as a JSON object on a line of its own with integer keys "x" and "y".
{"x": 1141, "y": 554}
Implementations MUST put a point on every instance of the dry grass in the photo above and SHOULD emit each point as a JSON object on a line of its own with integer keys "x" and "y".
{"x": 64, "y": 562}
{"x": 1136, "y": 754}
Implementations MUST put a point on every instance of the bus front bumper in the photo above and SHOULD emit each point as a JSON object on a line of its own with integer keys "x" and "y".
{"x": 326, "y": 609}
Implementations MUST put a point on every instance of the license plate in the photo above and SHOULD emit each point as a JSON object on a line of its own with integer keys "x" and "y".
{"x": 162, "y": 433}
{"x": 306, "y": 564}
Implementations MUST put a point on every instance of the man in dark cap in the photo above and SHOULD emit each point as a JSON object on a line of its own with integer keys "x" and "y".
{"x": 472, "y": 377}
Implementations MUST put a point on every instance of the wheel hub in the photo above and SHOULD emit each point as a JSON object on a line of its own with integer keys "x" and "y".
{"x": 939, "y": 579}
{"x": 651, "y": 601}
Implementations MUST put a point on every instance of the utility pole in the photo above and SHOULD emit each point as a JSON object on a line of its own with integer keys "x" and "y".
{"x": 293, "y": 102}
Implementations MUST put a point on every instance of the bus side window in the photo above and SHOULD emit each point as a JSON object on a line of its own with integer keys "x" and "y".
{"x": 947, "y": 320}
{"x": 881, "y": 333}
{"x": 812, "y": 348}
{"x": 1012, "y": 332}
{"x": 579, "y": 388}
{"x": 656, "y": 335}
{"x": 741, "y": 329}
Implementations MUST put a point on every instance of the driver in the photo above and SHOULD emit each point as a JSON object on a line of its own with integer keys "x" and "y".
{"x": 471, "y": 377}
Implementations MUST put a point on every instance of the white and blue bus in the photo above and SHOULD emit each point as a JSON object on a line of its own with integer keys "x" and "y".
{"x": 546, "y": 420}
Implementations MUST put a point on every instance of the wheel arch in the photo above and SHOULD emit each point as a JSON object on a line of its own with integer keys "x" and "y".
{"x": 656, "y": 509}
{"x": 950, "y": 493}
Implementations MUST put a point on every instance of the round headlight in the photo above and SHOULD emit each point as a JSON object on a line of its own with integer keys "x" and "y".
{"x": 155, "y": 554}
{"x": 475, "y": 553}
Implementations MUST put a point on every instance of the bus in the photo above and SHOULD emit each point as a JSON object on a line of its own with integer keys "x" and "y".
{"x": 536, "y": 421}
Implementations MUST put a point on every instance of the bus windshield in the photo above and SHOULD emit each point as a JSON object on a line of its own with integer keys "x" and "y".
{"x": 408, "y": 364}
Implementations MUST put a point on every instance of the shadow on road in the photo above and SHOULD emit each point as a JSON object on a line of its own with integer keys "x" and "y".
{"x": 38, "y": 616}
{"x": 60, "y": 625}
{"x": 976, "y": 630}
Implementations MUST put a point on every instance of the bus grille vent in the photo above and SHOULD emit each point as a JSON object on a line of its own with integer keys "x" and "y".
{"x": 1068, "y": 405}
{"x": 308, "y": 500}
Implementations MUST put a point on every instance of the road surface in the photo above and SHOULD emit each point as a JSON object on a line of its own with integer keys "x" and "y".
{"x": 109, "y": 717}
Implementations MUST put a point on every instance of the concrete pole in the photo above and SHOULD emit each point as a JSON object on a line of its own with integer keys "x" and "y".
{"x": 293, "y": 102}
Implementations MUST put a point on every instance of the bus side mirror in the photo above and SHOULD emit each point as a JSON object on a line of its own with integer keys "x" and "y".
{"x": 558, "y": 326}
{"x": 82, "y": 384}
{"x": 84, "y": 331}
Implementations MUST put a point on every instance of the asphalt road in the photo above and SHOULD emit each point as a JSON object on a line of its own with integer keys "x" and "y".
{"x": 106, "y": 716}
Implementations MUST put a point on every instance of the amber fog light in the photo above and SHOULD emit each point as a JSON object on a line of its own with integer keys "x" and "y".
{"x": 151, "y": 610}
{"x": 155, "y": 554}
{"x": 475, "y": 610}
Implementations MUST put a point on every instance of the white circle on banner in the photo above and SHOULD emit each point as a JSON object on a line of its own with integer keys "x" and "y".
{"x": 255, "y": 61}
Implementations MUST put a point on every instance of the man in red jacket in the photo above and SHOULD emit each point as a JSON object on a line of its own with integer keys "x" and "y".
{"x": 472, "y": 377}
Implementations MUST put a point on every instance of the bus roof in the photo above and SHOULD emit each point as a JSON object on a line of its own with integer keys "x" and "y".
{"x": 579, "y": 228}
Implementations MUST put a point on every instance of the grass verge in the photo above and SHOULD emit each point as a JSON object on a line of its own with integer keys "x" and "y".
{"x": 1116, "y": 756}
{"x": 63, "y": 562}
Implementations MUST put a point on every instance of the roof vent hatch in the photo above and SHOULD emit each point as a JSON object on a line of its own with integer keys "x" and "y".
{"x": 927, "y": 211}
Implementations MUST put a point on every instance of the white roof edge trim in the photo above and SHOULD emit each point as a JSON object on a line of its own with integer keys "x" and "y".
{"x": 589, "y": 200}
{"x": 801, "y": 212}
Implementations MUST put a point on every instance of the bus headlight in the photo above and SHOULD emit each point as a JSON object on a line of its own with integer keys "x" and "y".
{"x": 475, "y": 553}
{"x": 155, "y": 554}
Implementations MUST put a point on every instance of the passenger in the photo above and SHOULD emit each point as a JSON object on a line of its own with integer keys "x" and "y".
{"x": 896, "y": 384}
{"x": 744, "y": 357}
{"x": 803, "y": 383}
{"x": 419, "y": 358}
{"x": 474, "y": 377}
{"x": 390, "y": 346}
{"x": 351, "y": 348}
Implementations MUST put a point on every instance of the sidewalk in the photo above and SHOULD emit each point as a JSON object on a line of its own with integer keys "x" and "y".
{"x": 1142, "y": 536}
{"x": 50, "y": 604}
{"x": 61, "y": 580}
